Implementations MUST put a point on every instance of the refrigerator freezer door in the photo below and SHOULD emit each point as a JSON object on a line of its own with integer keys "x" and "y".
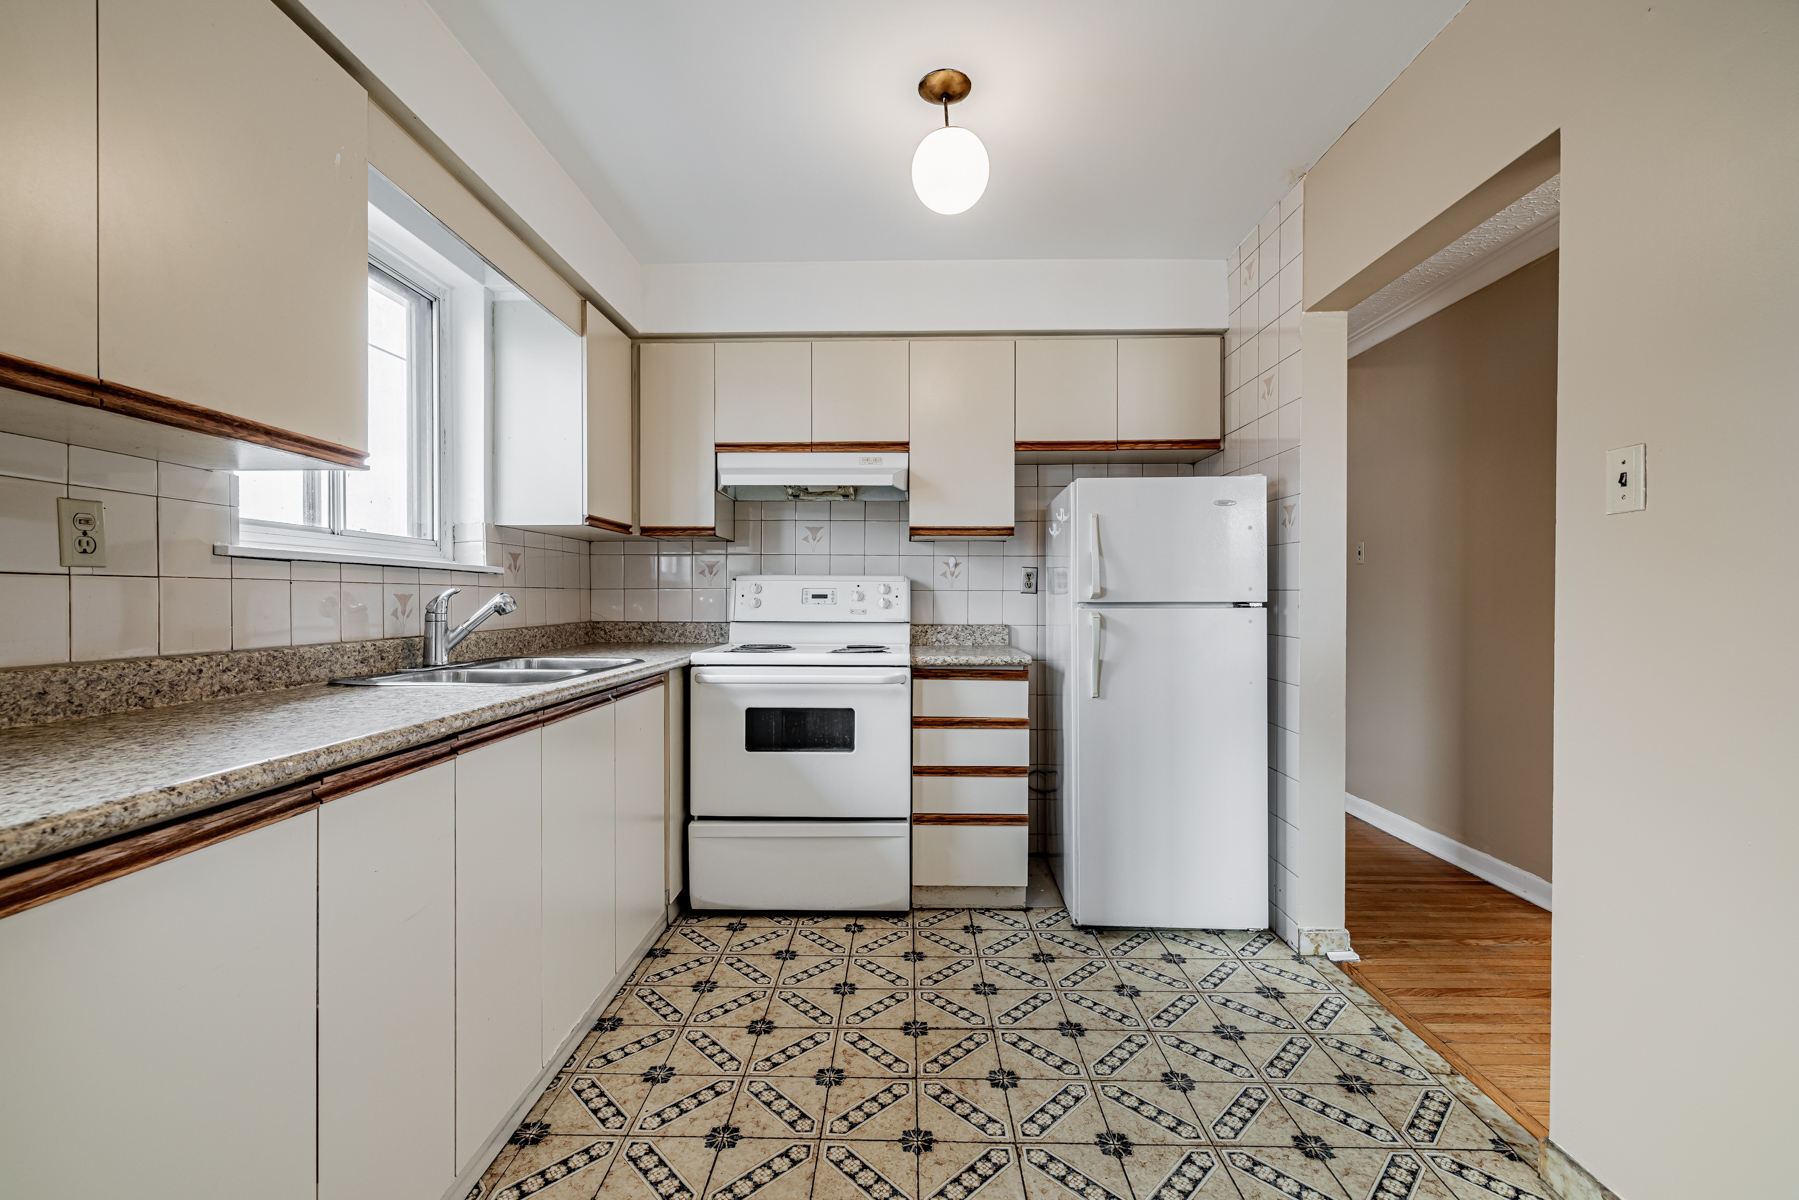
{"x": 1169, "y": 541}
{"x": 1166, "y": 794}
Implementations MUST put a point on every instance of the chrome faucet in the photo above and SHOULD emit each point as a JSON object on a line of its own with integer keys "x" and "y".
{"x": 440, "y": 639}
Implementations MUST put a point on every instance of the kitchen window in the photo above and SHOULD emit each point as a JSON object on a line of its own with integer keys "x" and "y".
{"x": 394, "y": 510}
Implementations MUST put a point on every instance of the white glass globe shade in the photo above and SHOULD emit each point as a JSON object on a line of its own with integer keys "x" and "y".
{"x": 949, "y": 170}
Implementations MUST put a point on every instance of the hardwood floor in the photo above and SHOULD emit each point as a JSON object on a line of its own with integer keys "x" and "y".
{"x": 1463, "y": 963}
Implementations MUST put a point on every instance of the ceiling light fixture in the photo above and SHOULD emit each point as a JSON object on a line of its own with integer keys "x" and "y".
{"x": 949, "y": 169}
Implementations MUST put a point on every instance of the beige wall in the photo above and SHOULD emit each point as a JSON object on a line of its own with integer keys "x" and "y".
{"x": 1676, "y": 819}
{"x": 1451, "y": 616}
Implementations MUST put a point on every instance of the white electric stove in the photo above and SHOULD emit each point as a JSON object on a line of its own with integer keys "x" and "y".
{"x": 801, "y": 749}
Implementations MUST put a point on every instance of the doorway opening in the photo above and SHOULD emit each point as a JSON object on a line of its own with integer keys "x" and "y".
{"x": 1450, "y": 653}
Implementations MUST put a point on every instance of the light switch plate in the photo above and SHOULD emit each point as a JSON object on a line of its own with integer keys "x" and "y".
{"x": 81, "y": 532}
{"x": 1624, "y": 491}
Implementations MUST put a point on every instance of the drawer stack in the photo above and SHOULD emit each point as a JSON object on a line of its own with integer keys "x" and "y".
{"x": 971, "y": 754}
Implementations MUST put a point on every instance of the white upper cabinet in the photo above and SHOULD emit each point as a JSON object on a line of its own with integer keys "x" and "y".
{"x": 1067, "y": 391}
{"x": 562, "y": 423}
{"x": 48, "y": 188}
{"x": 611, "y": 431}
{"x": 1170, "y": 390}
{"x": 677, "y": 463}
{"x": 764, "y": 393}
{"x": 233, "y": 226}
{"x": 962, "y": 444}
{"x": 860, "y": 394}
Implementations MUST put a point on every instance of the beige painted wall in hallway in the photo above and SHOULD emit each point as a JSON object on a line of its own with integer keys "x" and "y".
{"x": 1452, "y": 614}
{"x": 1676, "y": 644}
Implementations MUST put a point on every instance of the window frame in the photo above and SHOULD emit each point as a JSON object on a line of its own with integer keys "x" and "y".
{"x": 432, "y": 450}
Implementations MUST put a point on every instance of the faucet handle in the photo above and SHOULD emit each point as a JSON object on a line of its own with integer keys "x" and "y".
{"x": 439, "y": 605}
{"x": 504, "y": 603}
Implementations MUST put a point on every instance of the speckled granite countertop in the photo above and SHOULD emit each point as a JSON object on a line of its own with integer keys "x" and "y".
{"x": 66, "y": 784}
{"x": 969, "y": 656}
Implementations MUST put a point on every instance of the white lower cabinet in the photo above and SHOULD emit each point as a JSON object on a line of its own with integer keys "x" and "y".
{"x": 499, "y": 899}
{"x": 640, "y": 848}
{"x": 970, "y": 855}
{"x": 387, "y": 989}
{"x": 157, "y": 1031}
{"x": 579, "y": 937}
{"x": 971, "y": 748}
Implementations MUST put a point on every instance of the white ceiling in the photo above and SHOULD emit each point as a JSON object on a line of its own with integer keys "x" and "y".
{"x": 715, "y": 132}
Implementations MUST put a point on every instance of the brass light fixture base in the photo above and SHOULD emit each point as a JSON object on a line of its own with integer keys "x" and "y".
{"x": 944, "y": 86}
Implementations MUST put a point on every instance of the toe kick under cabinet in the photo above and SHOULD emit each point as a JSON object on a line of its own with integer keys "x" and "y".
{"x": 971, "y": 754}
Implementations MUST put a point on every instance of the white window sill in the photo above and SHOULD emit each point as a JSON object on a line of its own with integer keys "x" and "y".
{"x": 297, "y": 554}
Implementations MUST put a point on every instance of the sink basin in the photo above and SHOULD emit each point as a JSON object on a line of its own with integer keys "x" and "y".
{"x": 515, "y": 672}
{"x": 490, "y": 675}
{"x": 586, "y": 662}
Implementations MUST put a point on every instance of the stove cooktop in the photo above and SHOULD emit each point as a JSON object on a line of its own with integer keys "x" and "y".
{"x": 804, "y": 654}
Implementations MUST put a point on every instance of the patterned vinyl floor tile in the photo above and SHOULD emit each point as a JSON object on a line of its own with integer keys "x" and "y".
{"x": 956, "y": 1054}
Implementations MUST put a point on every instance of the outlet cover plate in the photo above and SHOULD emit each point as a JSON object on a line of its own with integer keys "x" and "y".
{"x": 81, "y": 532}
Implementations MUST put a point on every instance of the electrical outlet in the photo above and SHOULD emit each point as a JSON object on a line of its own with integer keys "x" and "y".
{"x": 1359, "y": 557}
{"x": 81, "y": 532}
{"x": 1624, "y": 491}
{"x": 1029, "y": 585}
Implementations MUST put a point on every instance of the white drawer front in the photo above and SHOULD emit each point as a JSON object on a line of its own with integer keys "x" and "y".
{"x": 971, "y": 747}
{"x": 970, "y": 698}
{"x": 1008, "y": 794}
{"x": 970, "y": 855}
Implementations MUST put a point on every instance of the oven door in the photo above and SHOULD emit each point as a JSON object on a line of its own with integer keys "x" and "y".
{"x": 825, "y": 742}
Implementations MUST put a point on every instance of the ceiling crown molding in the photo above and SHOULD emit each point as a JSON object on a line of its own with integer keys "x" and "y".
{"x": 1512, "y": 238}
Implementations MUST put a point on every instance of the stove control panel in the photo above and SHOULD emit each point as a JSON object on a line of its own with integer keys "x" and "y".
{"x": 809, "y": 598}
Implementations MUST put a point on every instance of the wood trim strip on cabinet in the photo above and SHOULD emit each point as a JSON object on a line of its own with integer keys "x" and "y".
{"x": 1019, "y": 674}
{"x": 973, "y": 772}
{"x": 970, "y": 819}
{"x": 956, "y": 531}
{"x": 609, "y": 526}
{"x": 498, "y": 730}
{"x": 367, "y": 775}
{"x": 671, "y": 531}
{"x": 1023, "y": 447}
{"x": 57, "y": 384}
{"x": 811, "y": 447}
{"x": 39, "y": 883}
{"x": 1186, "y": 444}
{"x": 971, "y": 722}
{"x": 641, "y": 685}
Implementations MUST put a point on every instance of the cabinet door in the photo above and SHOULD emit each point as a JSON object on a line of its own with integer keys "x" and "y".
{"x": 539, "y": 386}
{"x": 860, "y": 393}
{"x": 611, "y": 487}
{"x": 387, "y": 989}
{"x": 961, "y": 463}
{"x": 175, "y": 1007}
{"x": 640, "y": 846}
{"x": 233, "y": 215}
{"x": 48, "y": 190}
{"x": 1170, "y": 389}
{"x": 764, "y": 393}
{"x": 1067, "y": 390}
{"x": 499, "y": 897}
{"x": 579, "y": 959}
{"x": 678, "y": 470}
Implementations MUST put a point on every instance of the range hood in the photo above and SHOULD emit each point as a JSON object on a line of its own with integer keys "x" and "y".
{"x": 809, "y": 475}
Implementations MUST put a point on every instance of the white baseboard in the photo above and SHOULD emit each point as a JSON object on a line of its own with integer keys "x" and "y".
{"x": 1515, "y": 880}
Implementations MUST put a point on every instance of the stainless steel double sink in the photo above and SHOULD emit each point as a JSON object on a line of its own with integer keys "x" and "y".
{"x": 503, "y": 671}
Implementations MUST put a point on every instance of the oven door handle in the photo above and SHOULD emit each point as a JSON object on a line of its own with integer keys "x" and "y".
{"x": 832, "y": 676}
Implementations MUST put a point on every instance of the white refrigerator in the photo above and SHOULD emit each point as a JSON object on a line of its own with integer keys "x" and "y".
{"x": 1157, "y": 632}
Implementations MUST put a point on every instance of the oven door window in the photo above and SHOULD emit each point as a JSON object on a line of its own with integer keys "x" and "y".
{"x": 790, "y": 730}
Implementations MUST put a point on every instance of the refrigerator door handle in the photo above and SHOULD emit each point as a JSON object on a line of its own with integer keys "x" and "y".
{"x": 1097, "y": 623}
{"x": 1096, "y": 583}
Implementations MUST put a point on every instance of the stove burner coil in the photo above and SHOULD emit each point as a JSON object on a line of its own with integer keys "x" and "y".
{"x": 858, "y": 650}
{"x": 759, "y": 648}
